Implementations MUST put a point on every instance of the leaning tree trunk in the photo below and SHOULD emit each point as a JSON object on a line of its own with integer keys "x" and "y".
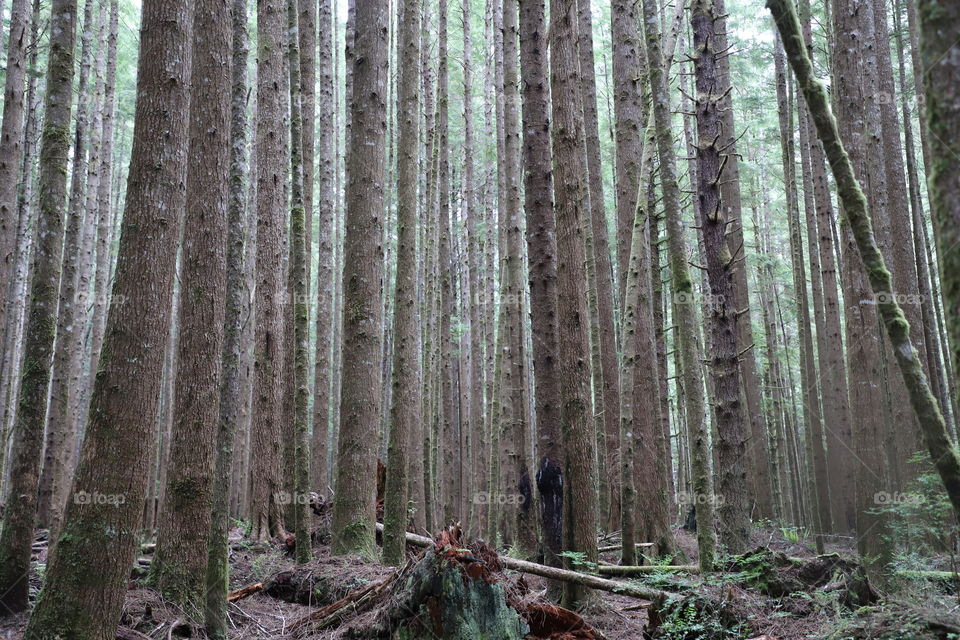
{"x": 570, "y": 169}
{"x": 180, "y": 562}
{"x": 942, "y": 451}
{"x": 40, "y": 331}
{"x": 938, "y": 52}
{"x": 353, "y": 508}
{"x": 87, "y": 577}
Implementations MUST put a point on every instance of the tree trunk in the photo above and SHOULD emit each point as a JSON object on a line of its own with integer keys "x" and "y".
{"x": 570, "y": 169}
{"x": 180, "y": 562}
{"x": 40, "y": 330}
{"x": 683, "y": 294}
{"x": 231, "y": 401}
{"x": 87, "y": 577}
{"x": 942, "y": 113}
{"x": 11, "y": 142}
{"x": 407, "y": 404}
{"x": 270, "y": 341}
{"x": 326, "y": 210}
{"x": 734, "y": 513}
{"x": 353, "y": 510}
{"x": 542, "y": 248}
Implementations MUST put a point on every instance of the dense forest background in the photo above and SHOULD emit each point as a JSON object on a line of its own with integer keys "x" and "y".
{"x": 619, "y": 288}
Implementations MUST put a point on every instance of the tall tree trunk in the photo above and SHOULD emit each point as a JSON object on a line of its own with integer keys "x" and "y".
{"x": 326, "y": 213}
{"x": 231, "y": 401}
{"x": 942, "y": 113}
{"x": 406, "y": 408}
{"x": 307, "y": 42}
{"x": 353, "y": 510}
{"x": 180, "y": 563}
{"x": 87, "y": 576}
{"x": 69, "y": 335}
{"x": 683, "y": 293}
{"x": 734, "y": 513}
{"x": 542, "y": 248}
{"x": 11, "y": 142}
{"x": 570, "y": 169}
{"x": 515, "y": 483}
{"x": 40, "y": 332}
{"x": 270, "y": 340}
{"x": 300, "y": 276}
{"x": 598, "y": 265}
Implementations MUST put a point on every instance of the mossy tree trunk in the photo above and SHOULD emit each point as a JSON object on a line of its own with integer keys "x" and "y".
{"x": 231, "y": 401}
{"x": 69, "y": 335}
{"x": 942, "y": 451}
{"x": 87, "y": 576}
{"x": 300, "y": 276}
{"x": 938, "y": 19}
{"x": 41, "y": 323}
{"x": 180, "y": 562}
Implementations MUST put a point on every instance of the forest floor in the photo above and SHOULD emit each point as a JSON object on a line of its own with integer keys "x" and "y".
{"x": 780, "y": 591}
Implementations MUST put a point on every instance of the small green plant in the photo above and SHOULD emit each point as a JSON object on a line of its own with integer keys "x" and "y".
{"x": 685, "y": 622}
{"x": 579, "y": 561}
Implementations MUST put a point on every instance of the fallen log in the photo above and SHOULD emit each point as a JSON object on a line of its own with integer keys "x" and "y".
{"x": 617, "y": 547}
{"x": 555, "y": 573}
{"x": 329, "y": 614}
{"x": 245, "y": 592}
{"x": 638, "y": 570}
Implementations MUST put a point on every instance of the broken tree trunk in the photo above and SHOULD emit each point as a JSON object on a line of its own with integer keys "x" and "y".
{"x": 553, "y": 573}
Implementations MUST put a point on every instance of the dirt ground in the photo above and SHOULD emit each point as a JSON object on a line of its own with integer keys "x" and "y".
{"x": 914, "y": 611}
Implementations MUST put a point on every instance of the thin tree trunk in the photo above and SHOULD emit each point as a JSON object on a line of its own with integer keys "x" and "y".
{"x": 406, "y": 408}
{"x": 326, "y": 210}
{"x": 231, "y": 401}
{"x": 683, "y": 294}
{"x": 40, "y": 331}
{"x": 11, "y": 142}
